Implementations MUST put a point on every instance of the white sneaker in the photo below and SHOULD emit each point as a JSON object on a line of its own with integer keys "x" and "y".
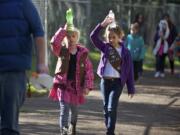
{"x": 157, "y": 74}
{"x": 162, "y": 75}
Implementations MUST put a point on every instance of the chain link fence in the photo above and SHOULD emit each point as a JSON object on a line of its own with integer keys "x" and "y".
{"x": 90, "y": 12}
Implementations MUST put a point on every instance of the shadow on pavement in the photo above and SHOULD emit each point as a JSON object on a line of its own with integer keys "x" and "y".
{"x": 140, "y": 114}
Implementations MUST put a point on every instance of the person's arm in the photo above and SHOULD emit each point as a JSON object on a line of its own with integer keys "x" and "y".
{"x": 95, "y": 34}
{"x": 33, "y": 19}
{"x": 56, "y": 41}
{"x": 130, "y": 79}
{"x": 40, "y": 44}
{"x": 174, "y": 33}
{"x": 156, "y": 35}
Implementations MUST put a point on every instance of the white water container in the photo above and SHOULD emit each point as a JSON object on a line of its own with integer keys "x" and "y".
{"x": 112, "y": 15}
{"x": 42, "y": 81}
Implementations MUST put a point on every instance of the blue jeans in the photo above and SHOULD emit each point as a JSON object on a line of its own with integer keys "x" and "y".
{"x": 111, "y": 91}
{"x": 12, "y": 96}
{"x": 65, "y": 109}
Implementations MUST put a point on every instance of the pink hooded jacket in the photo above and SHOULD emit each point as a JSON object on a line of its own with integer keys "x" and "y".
{"x": 84, "y": 71}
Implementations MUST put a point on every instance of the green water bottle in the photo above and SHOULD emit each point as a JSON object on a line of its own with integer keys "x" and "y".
{"x": 69, "y": 19}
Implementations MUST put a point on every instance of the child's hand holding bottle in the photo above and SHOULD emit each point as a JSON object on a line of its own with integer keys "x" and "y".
{"x": 106, "y": 21}
{"x": 109, "y": 20}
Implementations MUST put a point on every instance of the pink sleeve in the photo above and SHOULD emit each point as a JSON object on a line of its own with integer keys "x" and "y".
{"x": 89, "y": 76}
{"x": 57, "y": 40}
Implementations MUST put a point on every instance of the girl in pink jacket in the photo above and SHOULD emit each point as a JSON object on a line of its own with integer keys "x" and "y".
{"x": 73, "y": 76}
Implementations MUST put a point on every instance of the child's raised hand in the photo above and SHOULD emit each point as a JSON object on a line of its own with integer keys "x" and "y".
{"x": 106, "y": 21}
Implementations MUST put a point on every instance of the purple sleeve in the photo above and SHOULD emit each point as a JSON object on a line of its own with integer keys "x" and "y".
{"x": 130, "y": 79}
{"x": 96, "y": 40}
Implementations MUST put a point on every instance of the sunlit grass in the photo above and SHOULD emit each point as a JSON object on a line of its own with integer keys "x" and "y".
{"x": 177, "y": 62}
{"x": 149, "y": 60}
{"x": 95, "y": 57}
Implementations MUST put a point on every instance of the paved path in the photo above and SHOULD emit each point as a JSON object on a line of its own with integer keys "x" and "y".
{"x": 155, "y": 110}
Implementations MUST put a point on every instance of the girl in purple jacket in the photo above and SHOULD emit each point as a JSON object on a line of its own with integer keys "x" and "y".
{"x": 115, "y": 69}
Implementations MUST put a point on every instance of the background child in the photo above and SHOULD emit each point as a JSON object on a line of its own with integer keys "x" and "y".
{"x": 73, "y": 76}
{"x": 135, "y": 44}
{"x": 161, "y": 47}
{"x": 115, "y": 69}
{"x": 140, "y": 19}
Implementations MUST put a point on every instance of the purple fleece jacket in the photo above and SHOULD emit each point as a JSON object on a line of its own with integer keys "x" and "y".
{"x": 126, "y": 72}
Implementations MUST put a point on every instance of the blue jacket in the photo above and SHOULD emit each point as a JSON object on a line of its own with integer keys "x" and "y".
{"x": 126, "y": 72}
{"x": 19, "y": 20}
{"x": 135, "y": 44}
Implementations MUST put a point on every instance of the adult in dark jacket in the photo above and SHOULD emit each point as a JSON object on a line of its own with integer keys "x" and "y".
{"x": 19, "y": 21}
{"x": 172, "y": 36}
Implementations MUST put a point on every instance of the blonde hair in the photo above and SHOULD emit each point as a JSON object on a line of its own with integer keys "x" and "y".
{"x": 76, "y": 30}
{"x": 65, "y": 40}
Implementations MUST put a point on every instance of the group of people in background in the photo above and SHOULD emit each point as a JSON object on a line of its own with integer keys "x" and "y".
{"x": 166, "y": 44}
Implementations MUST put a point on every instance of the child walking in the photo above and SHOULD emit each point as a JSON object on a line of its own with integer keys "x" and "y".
{"x": 161, "y": 47}
{"x": 135, "y": 44}
{"x": 73, "y": 75}
{"x": 115, "y": 69}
